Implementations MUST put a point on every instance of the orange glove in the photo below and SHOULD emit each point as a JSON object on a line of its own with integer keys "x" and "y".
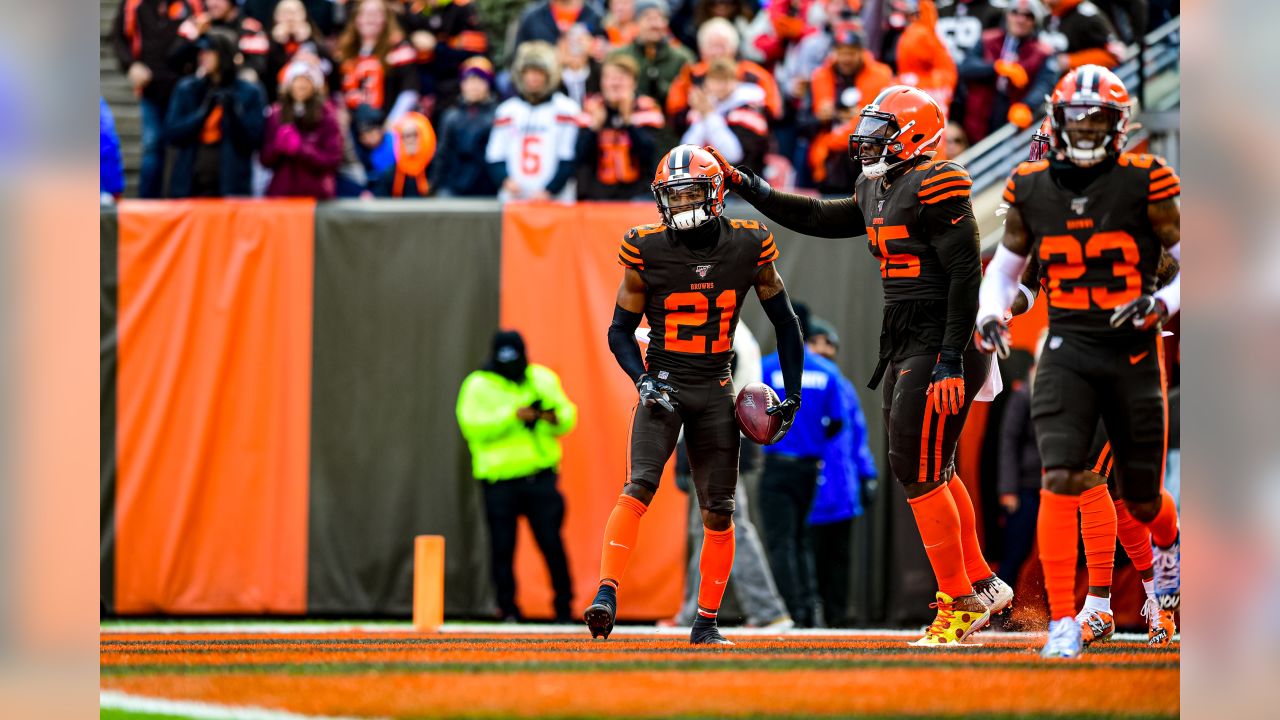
{"x": 1015, "y": 73}
{"x": 946, "y": 386}
{"x": 1020, "y": 115}
{"x": 731, "y": 174}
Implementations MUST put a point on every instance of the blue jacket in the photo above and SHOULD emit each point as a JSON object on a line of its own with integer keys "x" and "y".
{"x": 459, "y": 168}
{"x": 110, "y": 166}
{"x": 847, "y": 463}
{"x": 820, "y": 405}
{"x": 243, "y": 120}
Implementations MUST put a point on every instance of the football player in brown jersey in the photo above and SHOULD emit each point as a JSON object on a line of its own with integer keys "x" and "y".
{"x": 919, "y": 224}
{"x": 1098, "y": 220}
{"x": 689, "y": 276}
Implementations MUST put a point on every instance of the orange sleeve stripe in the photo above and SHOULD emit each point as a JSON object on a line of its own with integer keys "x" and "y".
{"x": 768, "y": 243}
{"x": 1165, "y": 195}
{"x": 628, "y": 256}
{"x": 765, "y": 261}
{"x": 944, "y": 196}
{"x": 936, "y": 188}
{"x": 1161, "y": 172}
{"x": 944, "y": 176}
{"x": 630, "y": 248}
{"x": 1008, "y": 196}
{"x": 629, "y": 264}
{"x": 1164, "y": 184}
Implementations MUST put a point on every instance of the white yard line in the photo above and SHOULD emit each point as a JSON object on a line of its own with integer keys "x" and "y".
{"x": 305, "y": 627}
{"x": 115, "y": 700}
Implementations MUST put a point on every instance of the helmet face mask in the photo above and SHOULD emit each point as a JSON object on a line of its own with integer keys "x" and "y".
{"x": 1089, "y": 113}
{"x": 689, "y": 188}
{"x": 873, "y": 142}
{"x": 902, "y": 123}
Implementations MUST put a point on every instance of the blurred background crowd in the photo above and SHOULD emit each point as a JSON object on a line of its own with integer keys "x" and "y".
{"x": 565, "y": 99}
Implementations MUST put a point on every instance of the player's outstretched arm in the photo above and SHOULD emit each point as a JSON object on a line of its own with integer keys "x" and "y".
{"x": 840, "y": 218}
{"x": 777, "y": 306}
{"x": 1000, "y": 284}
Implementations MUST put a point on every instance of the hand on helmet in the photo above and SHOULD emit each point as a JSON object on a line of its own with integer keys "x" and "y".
{"x": 750, "y": 186}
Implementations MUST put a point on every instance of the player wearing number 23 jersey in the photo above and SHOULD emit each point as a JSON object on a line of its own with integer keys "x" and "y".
{"x": 1097, "y": 220}
{"x": 919, "y": 223}
{"x": 689, "y": 276}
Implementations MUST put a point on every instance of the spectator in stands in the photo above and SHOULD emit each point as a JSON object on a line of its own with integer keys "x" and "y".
{"x": 459, "y": 168}
{"x": 740, "y": 14}
{"x": 224, "y": 15}
{"x": 415, "y": 143}
{"x": 660, "y": 55}
{"x": 377, "y": 63}
{"x": 847, "y": 81}
{"x": 531, "y": 150}
{"x": 1008, "y": 73}
{"x": 729, "y": 114}
{"x": 620, "y": 24}
{"x": 374, "y": 147}
{"x": 445, "y": 33}
{"x": 549, "y": 19}
{"x": 215, "y": 121}
{"x": 955, "y": 141}
{"x": 808, "y": 54}
{"x": 922, "y": 59}
{"x": 513, "y": 413}
{"x": 321, "y": 12}
{"x": 784, "y": 25}
{"x": 293, "y": 32}
{"x": 302, "y": 143}
{"x": 717, "y": 40}
{"x": 1081, "y": 35}
{"x": 848, "y": 472}
{"x": 1018, "y": 481}
{"x": 961, "y": 24}
{"x": 110, "y": 163}
{"x": 143, "y": 35}
{"x": 617, "y": 150}
{"x": 579, "y": 72}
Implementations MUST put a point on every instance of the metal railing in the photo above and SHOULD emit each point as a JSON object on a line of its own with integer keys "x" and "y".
{"x": 990, "y": 161}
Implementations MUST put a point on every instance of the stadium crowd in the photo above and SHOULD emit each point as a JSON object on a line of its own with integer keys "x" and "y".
{"x": 565, "y": 99}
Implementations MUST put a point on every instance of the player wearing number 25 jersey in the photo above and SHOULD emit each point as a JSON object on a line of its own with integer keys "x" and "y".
{"x": 919, "y": 225}
{"x": 690, "y": 276}
{"x": 1097, "y": 219}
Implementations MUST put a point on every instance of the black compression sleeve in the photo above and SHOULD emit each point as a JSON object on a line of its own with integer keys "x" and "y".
{"x": 790, "y": 341}
{"x": 820, "y": 218}
{"x": 955, "y": 238}
{"x": 622, "y": 341}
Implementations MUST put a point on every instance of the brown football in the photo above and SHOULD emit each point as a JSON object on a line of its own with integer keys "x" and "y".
{"x": 753, "y": 400}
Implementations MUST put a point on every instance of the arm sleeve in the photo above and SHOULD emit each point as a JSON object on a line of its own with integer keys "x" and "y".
{"x": 121, "y": 44}
{"x": 111, "y": 167}
{"x": 790, "y": 340}
{"x": 554, "y": 399}
{"x": 955, "y": 239}
{"x": 182, "y": 122}
{"x": 840, "y": 218}
{"x": 564, "y": 172}
{"x": 838, "y": 406}
{"x": 622, "y": 342}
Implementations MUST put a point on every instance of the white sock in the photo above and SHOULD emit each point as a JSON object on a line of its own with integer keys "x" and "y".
{"x": 1097, "y": 604}
{"x": 1150, "y": 587}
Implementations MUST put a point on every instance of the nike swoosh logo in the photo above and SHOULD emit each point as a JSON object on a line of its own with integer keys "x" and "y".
{"x": 903, "y": 372}
{"x": 956, "y": 220}
{"x": 725, "y": 382}
{"x": 926, "y": 547}
{"x": 1135, "y": 359}
{"x": 624, "y": 547}
{"x": 720, "y": 582}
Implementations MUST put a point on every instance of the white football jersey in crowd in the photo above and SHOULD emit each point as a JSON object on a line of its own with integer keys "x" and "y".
{"x": 533, "y": 140}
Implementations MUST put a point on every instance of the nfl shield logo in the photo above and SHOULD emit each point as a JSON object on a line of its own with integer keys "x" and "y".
{"x": 1077, "y": 205}
{"x": 702, "y": 270}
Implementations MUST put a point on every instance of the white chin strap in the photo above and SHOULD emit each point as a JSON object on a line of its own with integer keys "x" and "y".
{"x": 876, "y": 171}
{"x": 689, "y": 219}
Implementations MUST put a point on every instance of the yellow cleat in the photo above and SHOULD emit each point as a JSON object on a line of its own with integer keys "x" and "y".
{"x": 957, "y": 619}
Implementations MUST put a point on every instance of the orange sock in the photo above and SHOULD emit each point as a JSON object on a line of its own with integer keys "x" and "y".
{"x": 939, "y": 524}
{"x": 619, "y": 538}
{"x": 1056, "y": 534}
{"x": 1098, "y": 528}
{"x": 1134, "y": 536}
{"x": 974, "y": 564}
{"x": 714, "y": 565}
{"x": 1164, "y": 529}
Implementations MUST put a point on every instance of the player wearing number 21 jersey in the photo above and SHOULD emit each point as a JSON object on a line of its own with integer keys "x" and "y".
{"x": 1097, "y": 219}
{"x": 919, "y": 223}
{"x": 690, "y": 276}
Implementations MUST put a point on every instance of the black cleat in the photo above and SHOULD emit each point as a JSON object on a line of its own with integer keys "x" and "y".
{"x": 706, "y": 633}
{"x": 600, "y": 614}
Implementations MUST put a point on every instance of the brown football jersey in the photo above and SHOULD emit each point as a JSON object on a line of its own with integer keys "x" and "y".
{"x": 1096, "y": 248}
{"x": 694, "y": 297}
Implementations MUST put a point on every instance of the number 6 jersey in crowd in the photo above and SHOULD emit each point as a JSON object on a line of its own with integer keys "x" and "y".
{"x": 694, "y": 297}
{"x": 533, "y": 140}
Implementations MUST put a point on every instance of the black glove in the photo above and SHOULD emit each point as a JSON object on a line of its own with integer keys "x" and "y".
{"x": 653, "y": 393}
{"x": 993, "y": 336}
{"x": 787, "y": 409}
{"x": 946, "y": 385}
{"x": 1144, "y": 313}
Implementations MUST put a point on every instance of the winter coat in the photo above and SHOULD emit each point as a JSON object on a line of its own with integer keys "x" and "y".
{"x": 990, "y": 95}
{"x": 459, "y": 168}
{"x": 243, "y": 106}
{"x": 305, "y": 162}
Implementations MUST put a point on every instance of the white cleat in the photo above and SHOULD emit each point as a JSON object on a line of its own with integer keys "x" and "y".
{"x": 994, "y": 593}
{"x": 1064, "y": 641}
